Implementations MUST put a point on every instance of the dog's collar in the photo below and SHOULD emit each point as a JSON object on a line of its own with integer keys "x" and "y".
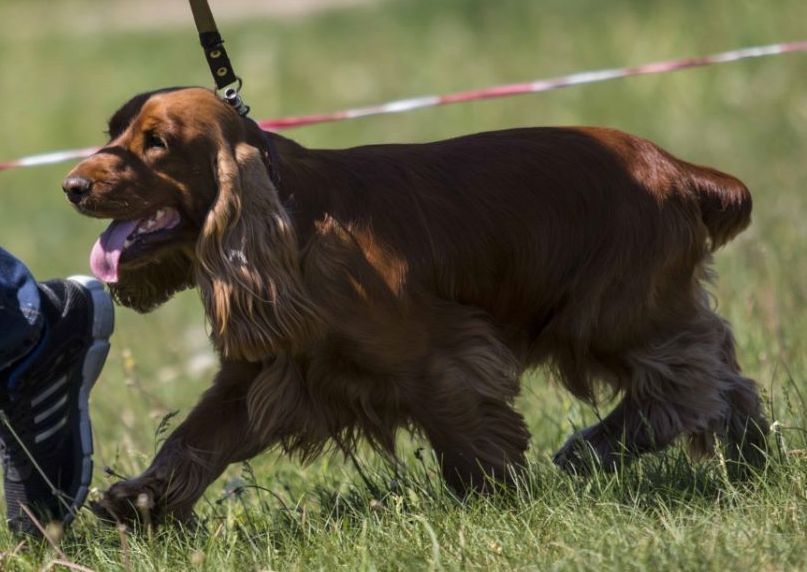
{"x": 274, "y": 160}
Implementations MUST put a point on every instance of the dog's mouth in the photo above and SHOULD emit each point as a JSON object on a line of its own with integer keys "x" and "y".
{"x": 125, "y": 240}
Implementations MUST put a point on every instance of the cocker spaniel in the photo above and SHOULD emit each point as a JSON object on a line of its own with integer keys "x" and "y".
{"x": 354, "y": 292}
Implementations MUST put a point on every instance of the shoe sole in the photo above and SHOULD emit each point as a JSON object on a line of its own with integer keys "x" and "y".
{"x": 103, "y": 323}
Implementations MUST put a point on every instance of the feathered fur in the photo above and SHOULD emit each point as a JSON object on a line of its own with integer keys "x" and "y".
{"x": 394, "y": 286}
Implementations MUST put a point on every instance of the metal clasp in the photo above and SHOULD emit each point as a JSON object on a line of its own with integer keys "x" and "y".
{"x": 232, "y": 96}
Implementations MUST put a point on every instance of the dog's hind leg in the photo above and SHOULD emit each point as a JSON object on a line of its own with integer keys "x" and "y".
{"x": 744, "y": 430}
{"x": 684, "y": 382}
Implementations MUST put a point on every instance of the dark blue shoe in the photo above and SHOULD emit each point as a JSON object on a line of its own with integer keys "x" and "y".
{"x": 44, "y": 415}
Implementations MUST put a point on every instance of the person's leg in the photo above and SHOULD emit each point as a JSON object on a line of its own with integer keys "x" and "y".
{"x": 53, "y": 342}
{"x": 20, "y": 315}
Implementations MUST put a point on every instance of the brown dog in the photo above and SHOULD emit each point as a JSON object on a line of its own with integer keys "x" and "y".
{"x": 353, "y": 292}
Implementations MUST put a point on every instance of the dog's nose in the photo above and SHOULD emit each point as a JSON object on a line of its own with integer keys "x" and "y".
{"x": 76, "y": 187}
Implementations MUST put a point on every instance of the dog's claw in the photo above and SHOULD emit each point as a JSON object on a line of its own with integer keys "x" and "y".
{"x": 102, "y": 513}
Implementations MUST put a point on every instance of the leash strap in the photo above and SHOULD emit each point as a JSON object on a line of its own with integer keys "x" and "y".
{"x": 216, "y": 56}
{"x": 222, "y": 71}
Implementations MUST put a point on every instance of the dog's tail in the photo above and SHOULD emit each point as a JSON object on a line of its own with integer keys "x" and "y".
{"x": 725, "y": 203}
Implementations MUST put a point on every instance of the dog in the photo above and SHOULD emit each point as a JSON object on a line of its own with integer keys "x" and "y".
{"x": 354, "y": 292}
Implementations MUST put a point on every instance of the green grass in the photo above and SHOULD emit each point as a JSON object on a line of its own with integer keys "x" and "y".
{"x": 59, "y": 83}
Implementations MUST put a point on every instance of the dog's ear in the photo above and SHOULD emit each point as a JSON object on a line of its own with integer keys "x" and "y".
{"x": 249, "y": 270}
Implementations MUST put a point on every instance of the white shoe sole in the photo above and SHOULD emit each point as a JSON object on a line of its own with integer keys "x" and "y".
{"x": 103, "y": 323}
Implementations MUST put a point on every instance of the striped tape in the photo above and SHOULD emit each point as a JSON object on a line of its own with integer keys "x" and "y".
{"x": 402, "y": 105}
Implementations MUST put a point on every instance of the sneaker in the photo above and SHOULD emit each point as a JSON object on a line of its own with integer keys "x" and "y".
{"x": 44, "y": 414}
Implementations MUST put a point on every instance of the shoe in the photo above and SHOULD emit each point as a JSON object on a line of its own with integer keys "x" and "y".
{"x": 44, "y": 414}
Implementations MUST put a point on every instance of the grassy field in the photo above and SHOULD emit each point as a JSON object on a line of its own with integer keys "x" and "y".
{"x": 60, "y": 82}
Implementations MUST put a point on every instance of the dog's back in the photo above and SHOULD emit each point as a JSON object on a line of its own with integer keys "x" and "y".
{"x": 529, "y": 224}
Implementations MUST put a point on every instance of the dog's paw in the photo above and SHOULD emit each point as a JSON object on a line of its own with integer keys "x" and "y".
{"x": 587, "y": 451}
{"x": 575, "y": 457}
{"x": 131, "y": 502}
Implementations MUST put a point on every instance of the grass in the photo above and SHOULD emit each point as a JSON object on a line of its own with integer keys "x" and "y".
{"x": 60, "y": 83}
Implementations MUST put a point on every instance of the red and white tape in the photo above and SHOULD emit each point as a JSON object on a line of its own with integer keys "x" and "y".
{"x": 537, "y": 86}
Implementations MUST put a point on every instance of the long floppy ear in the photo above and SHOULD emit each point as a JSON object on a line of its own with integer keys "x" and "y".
{"x": 248, "y": 271}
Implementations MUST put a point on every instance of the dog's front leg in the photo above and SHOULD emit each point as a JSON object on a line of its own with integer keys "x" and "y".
{"x": 216, "y": 433}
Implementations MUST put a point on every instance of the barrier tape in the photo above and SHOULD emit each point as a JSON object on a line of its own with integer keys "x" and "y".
{"x": 508, "y": 90}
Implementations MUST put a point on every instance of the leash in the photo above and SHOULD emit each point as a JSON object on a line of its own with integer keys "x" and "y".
{"x": 228, "y": 85}
{"x": 403, "y": 105}
{"x": 216, "y": 56}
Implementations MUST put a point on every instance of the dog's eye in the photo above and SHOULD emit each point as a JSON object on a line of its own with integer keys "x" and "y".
{"x": 154, "y": 141}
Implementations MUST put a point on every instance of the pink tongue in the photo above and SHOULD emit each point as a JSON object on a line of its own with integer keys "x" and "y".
{"x": 107, "y": 250}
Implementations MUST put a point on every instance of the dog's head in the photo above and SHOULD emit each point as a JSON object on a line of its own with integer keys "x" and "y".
{"x": 185, "y": 181}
